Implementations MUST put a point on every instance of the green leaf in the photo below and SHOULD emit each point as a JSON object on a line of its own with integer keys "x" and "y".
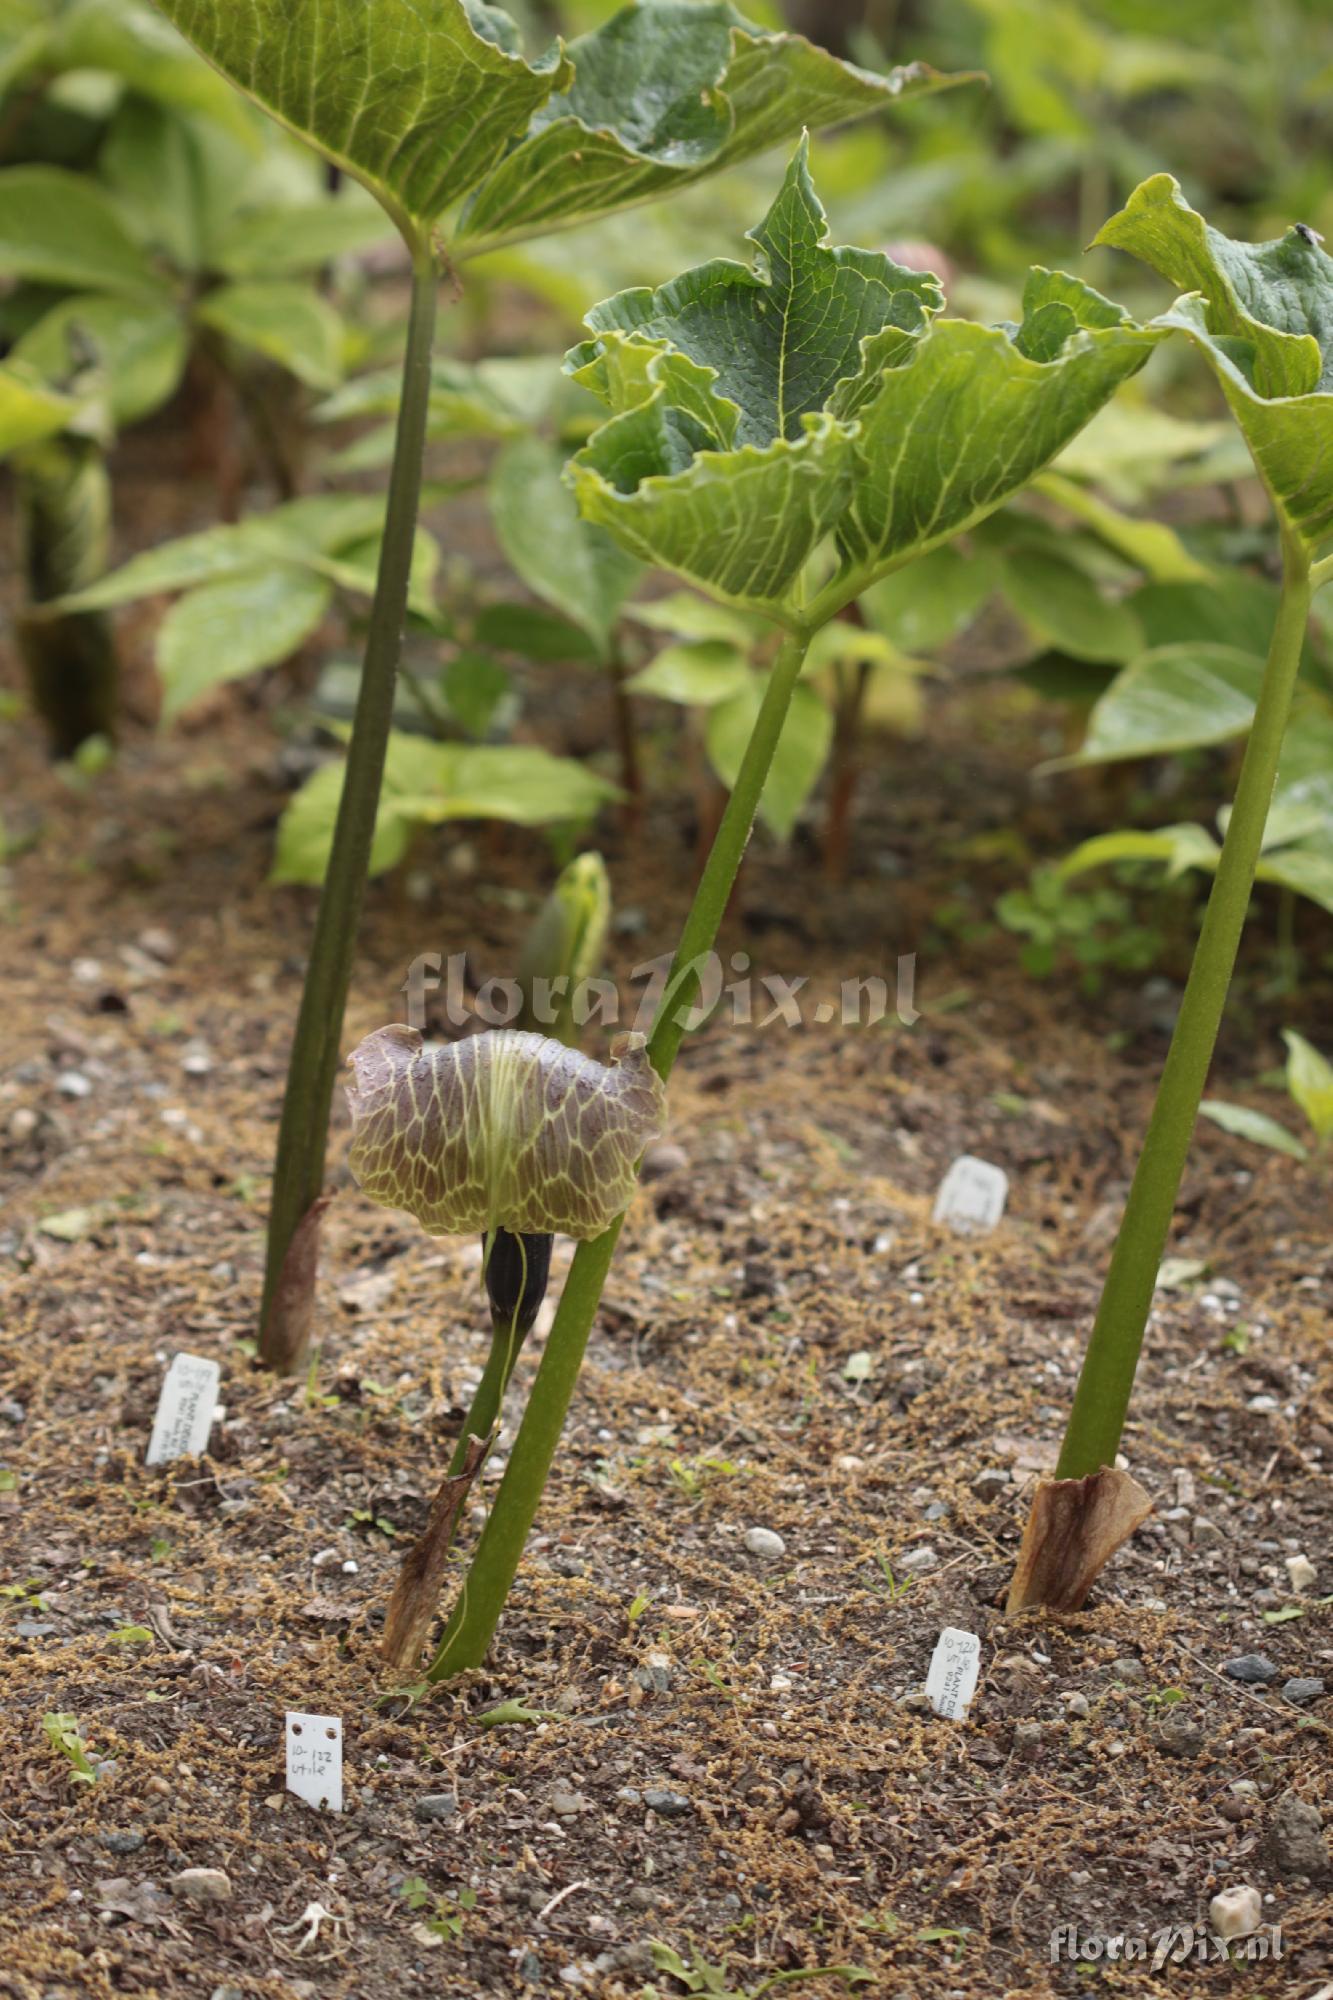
{"x": 571, "y": 564}
{"x": 58, "y": 228}
{"x": 661, "y": 95}
{"x": 29, "y": 411}
{"x": 1174, "y": 698}
{"x": 692, "y": 617}
{"x": 133, "y": 42}
{"x": 697, "y": 673}
{"x": 932, "y": 600}
{"x": 1064, "y": 607}
{"x": 1150, "y": 545}
{"x": 416, "y": 98}
{"x": 1310, "y": 1081}
{"x": 1179, "y": 847}
{"x": 225, "y": 630}
{"x": 967, "y": 415}
{"x": 140, "y": 347}
{"x": 474, "y": 687}
{"x": 534, "y": 632}
{"x": 287, "y": 321}
{"x": 273, "y": 242}
{"x": 1262, "y": 314}
{"x": 777, "y": 338}
{"x": 319, "y": 525}
{"x": 1304, "y": 867}
{"x": 798, "y": 759}
{"x": 1254, "y": 1125}
{"x": 427, "y": 783}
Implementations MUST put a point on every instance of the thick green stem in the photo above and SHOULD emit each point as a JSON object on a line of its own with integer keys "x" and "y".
{"x": 1107, "y": 1377}
{"x": 298, "y": 1174}
{"x": 474, "y": 1618}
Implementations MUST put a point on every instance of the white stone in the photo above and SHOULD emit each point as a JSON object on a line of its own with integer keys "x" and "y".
{"x": 1302, "y": 1572}
{"x": 972, "y": 1195}
{"x": 764, "y": 1542}
{"x": 202, "y": 1885}
{"x": 1235, "y": 1913}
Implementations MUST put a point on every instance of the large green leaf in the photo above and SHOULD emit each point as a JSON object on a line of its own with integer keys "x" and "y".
{"x": 931, "y": 601}
{"x": 427, "y": 783}
{"x": 798, "y": 759}
{"x": 565, "y": 560}
{"x": 29, "y": 411}
{"x": 139, "y": 346}
{"x": 318, "y": 526}
{"x": 1310, "y": 1081}
{"x": 697, "y": 673}
{"x": 227, "y": 629}
{"x": 1174, "y": 698}
{"x": 58, "y": 228}
{"x": 275, "y": 241}
{"x": 1063, "y": 606}
{"x": 417, "y": 98}
{"x": 131, "y": 41}
{"x": 286, "y": 321}
{"x": 1262, "y": 314}
{"x": 967, "y": 415}
{"x": 662, "y": 94}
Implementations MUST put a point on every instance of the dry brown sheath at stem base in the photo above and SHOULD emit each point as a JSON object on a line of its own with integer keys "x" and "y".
{"x": 291, "y": 1315}
{"x": 1073, "y": 1530}
{"x": 416, "y": 1594}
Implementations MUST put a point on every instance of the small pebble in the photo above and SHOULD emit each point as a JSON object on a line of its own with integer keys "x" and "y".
{"x": 128, "y": 1842}
{"x": 435, "y": 1806}
{"x": 1078, "y": 1706}
{"x": 764, "y": 1542}
{"x": 1301, "y": 1571}
{"x": 73, "y": 1083}
{"x": 991, "y": 1482}
{"x": 1234, "y": 1913}
{"x": 1128, "y": 1669}
{"x": 202, "y": 1885}
{"x": 23, "y": 1123}
{"x": 12, "y": 1412}
{"x": 1302, "y": 1691}
{"x": 661, "y": 1159}
{"x": 1254, "y": 1667}
{"x": 918, "y": 1559}
{"x": 668, "y": 1805}
{"x": 1295, "y": 1843}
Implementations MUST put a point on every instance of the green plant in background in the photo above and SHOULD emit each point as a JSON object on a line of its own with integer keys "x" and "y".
{"x": 752, "y": 414}
{"x": 1308, "y": 1078}
{"x": 1096, "y": 928}
{"x": 660, "y": 96}
{"x": 1262, "y": 316}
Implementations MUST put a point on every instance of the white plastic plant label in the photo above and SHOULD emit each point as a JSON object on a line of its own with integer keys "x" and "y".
{"x": 952, "y": 1680}
{"x": 972, "y": 1195}
{"x": 315, "y": 1760}
{"x": 184, "y": 1409}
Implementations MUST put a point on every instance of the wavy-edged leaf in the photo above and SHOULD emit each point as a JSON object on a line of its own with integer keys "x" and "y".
{"x": 741, "y": 523}
{"x": 417, "y": 98}
{"x": 798, "y": 759}
{"x": 567, "y": 561}
{"x": 286, "y": 321}
{"x": 969, "y": 414}
{"x": 1172, "y": 698}
{"x": 777, "y": 338}
{"x": 58, "y": 228}
{"x": 503, "y": 1130}
{"x": 1256, "y": 1126}
{"x": 1262, "y": 314}
{"x": 662, "y": 94}
{"x": 29, "y": 411}
{"x": 138, "y": 347}
{"x": 225, "y": 630}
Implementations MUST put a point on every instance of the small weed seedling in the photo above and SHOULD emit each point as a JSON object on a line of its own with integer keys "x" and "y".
{"x": 1261, "y": 315}
{"x": 65, "y": 1734}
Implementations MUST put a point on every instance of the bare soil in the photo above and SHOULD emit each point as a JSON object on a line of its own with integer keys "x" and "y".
{"x": 729, "y": 1755}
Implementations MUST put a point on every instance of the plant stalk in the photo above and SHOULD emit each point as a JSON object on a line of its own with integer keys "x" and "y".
{"x": 1107, "y": 1376}
{"x": 472, "y": 1623}
{"x": 298, "y": 1174}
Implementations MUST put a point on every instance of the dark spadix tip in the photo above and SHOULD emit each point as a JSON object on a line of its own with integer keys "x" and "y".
{"x": 517, "y": 1271}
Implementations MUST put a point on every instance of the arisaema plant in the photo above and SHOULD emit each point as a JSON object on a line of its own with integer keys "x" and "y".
{"x": 1261, "y": 315}
{"x": 762, "y": 415}
{"x": 434, "y": 107}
